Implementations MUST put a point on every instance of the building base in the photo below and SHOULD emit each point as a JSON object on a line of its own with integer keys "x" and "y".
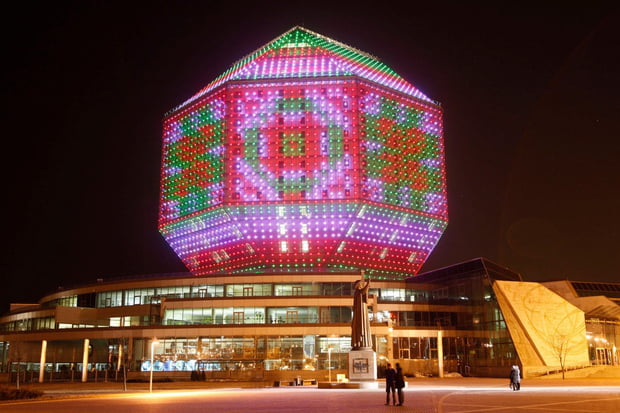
{"x": 349, "y": 385}
{"x": 362, "y": 365}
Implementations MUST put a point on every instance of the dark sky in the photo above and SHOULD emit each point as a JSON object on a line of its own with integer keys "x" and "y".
{"x": 531, "y": 125}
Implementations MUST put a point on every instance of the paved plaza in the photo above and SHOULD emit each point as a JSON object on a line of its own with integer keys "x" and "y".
{"x": 458, "y": 395}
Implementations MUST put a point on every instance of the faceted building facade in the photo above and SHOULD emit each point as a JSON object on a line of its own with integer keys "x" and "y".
{"x": 305, "y": 156}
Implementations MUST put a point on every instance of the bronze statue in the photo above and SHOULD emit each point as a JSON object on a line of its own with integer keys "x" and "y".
{"x": 360, "y": 325}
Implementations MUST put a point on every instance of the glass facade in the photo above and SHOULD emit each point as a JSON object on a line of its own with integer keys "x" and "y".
{"x": 141, "y": 296}
{"x": 308, "y": 352}
{"x": 234, "y": 329}
{"x": 475, "y": 333}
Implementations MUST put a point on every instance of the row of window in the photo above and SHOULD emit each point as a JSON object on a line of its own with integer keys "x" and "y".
{"x": 490, "y": 320}
{"x": 29, "y": 324}
{"x": 257, "y": 315}
{"x": 307, "y": 352}
{"x": 129, "y": 297}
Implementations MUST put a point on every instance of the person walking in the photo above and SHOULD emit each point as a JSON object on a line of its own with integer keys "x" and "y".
{"x": 399, "y": 381}
{"x": 390, "y": 384}
{"x": 515, "y": 378}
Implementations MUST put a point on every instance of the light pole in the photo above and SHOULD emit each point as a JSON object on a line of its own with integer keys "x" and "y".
{"x": 329, "y": 361}
{"x": 152, "y": 353}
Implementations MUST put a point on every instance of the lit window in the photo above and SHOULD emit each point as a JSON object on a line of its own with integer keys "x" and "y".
{"x": 283, "y": 246}
{"x": 305, "y": 246}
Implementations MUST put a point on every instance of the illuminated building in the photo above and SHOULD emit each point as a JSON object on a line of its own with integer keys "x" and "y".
{"x": 306, "y": 155}
{"x": 305, "y": 164}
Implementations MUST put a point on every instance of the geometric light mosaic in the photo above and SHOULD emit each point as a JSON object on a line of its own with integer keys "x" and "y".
{"x": 306, "y": 155}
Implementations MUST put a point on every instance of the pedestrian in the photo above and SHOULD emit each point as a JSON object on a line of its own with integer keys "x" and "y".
{"x": 399, "y": 381}
{"x": 390, "y": 384}
{"x": 518, "y": 377}
{"x": 515, "y": 378}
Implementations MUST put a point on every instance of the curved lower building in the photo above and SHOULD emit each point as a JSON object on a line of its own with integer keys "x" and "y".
{"x": 260, "y": 326}
{"x": 475, "y": 318}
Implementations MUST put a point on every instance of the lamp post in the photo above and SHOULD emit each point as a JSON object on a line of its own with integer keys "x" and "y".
{"x": 152, "y": 361}
{"x": 329, "y": 361}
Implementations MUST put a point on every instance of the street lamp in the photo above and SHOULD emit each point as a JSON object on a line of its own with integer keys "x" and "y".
{"x": 329, "y": 361}
{"x": 152, "y": 361}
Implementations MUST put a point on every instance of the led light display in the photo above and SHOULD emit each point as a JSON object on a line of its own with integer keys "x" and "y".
{"x": 307, "y": 155}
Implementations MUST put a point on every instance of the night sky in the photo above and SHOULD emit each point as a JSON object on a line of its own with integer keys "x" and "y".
{"x": 531, "y": 125}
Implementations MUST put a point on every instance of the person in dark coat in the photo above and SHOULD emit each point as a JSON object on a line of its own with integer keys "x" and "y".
{"x": 390, "y": 384}
{"x": 399, "y": 381}
{"x": 515, "y": 378}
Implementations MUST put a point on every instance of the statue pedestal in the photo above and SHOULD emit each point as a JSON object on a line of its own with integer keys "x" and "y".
{"x": 362, "y": 365}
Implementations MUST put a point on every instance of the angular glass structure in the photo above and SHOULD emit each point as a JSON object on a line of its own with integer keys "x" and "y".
{"x": 306, "y": 155}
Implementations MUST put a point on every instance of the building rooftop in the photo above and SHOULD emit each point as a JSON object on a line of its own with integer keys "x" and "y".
{"x": 300, "y": 52}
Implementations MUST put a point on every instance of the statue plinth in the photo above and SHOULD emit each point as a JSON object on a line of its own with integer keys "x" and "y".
{"x": 362, "y": 364}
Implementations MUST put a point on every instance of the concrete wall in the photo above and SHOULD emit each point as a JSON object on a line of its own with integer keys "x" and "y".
{"x": 545, "y": 328}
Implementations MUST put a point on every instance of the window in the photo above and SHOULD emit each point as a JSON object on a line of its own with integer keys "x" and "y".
{"x": 292, "y": 316}
{"x": 238, "y": 317}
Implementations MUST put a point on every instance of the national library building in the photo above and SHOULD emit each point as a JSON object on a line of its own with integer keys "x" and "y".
{"x": 305, "y": 166}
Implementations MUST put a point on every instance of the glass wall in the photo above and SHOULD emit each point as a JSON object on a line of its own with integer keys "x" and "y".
{"x": 29, "y": 324}
{"x": 309, "y": 352}
{"x": 470, "y": 305}
{"x": 142, "y": 296}
{"x": 256, "y": 315}
{"x": 400, "y": 295}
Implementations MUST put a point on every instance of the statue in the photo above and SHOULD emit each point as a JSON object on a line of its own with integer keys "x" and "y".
{"x": 360, "y": 325}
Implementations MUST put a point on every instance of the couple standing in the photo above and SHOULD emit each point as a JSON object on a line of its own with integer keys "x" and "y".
{"x": 394, "y": 380}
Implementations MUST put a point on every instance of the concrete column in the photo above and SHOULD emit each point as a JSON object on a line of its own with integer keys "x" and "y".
{"x": 440, "y": 352}
{"x": 390, "y": 344}
{"x": 120, "y": 357}
{"x": 130, "y": 353}
{"x": 85, "y": 361}
{"x": 42, "y": 364}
